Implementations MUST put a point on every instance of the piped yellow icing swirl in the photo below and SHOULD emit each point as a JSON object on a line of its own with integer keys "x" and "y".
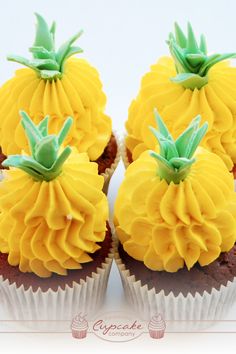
{"x": 171, "y": 225}
{"x": 49, "y": 227}
{"x": 77, "y": 94}
{"x": 215, "y": 102}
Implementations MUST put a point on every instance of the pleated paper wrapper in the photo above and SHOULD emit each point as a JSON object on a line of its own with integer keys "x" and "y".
{"x": 110, "y": 170}
{"x": 124, "y": 153}
{"x": 40, "y": 308}
{"x": 182, "y": 313}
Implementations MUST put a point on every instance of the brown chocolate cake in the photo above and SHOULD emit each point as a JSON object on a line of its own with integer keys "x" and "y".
{"x": 197, "y": 279}
{"x": 108, "y": 157}
{"x": 129, "y": 155}
{"x": 14, "y": 275}
{"x": 234, "y": 171}
{"x": 2, "y": 158}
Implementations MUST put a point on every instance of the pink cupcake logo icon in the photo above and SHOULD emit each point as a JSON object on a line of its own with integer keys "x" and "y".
{"x": 156, "y": 327}
{"x": 79, "y": 327}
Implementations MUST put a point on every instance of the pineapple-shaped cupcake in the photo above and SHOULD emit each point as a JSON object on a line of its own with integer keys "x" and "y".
{"x": 54, "y": 236}
{"x": 57, "y": 83}
{"x": 188, "y": 83}
{"x": 175, "y": 217}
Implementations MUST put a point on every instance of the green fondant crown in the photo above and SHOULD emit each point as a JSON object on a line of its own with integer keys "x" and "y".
{"x": 176, "y": 157}
{"x": 46, "y": 61}
{"x": 191, "y": 59}
{"x": 45, "y": 163}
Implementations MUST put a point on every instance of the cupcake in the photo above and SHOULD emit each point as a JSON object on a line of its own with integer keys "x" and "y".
{"x": 79, "y": 327}
{"x": 188, "y": 83}
{"x": 156, "y": 327}
{"x": 55, "y": 241}
{"x": 57, "y": 83}
{"x": 175, "y": 220}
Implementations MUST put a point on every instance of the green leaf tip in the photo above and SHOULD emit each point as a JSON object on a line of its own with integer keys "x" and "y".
{"x": 46, "y": 61}
{"x": 47, "y": 159}
{"x": 191, "y": 59}
{"x": 176, "y": 157}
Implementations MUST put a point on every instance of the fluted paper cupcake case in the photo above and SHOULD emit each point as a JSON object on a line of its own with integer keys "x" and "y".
{"x": 124, "y": 153}
{"x": 181, "y": 312}
{"x": 110, "y": 170}
{"x": 62, "y": 305}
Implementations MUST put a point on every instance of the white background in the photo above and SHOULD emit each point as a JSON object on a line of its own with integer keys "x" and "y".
{"x": 122, "y": 38}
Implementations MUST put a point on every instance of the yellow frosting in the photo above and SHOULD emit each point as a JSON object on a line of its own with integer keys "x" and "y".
{"x": 215, "y": 102}
{"x": 51, "y": 226}
{"x": 169, "y": 225}
{"x": 77, "y": 94}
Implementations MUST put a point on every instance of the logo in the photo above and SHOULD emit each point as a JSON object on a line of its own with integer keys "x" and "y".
{"x": 157, "y": 327}
{"x": 79, "y": 326}
{"x": 117, "y": 327}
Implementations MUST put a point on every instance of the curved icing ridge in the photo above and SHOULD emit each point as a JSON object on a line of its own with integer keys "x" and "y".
{"x": 178, "y": 105}
{"x": 53, "y": 226}
{"x": 171, "y": 225}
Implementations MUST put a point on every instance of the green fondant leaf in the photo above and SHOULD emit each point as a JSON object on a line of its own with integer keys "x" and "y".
{"x": 65, "y": 48}
{"x": 192, "y": 59}
{"x": 46, "y": 151}
{"x": 161, "y": 126}
{"x": 191, "y": 41}
{"x": 42, "y": 53}
{"x": 53, "y": 31}
{"x": 50, "y": 74}
{"x": 203, "y": 45}
{"x": 189, "y": 81}
{"x": 46, "y": 162}
{"x": 196, "y": 139}
{"x": 43, "y": 36}
{"x": 44, "y": 64}
{"x": 183, "y": 140}
{"x": 176, "y": 157}
{"x": 43, "y": 126}
{"x": 180, "y": 36}
{"x": 161, "y": 159}
{"x": 214, "y": 60}
{"x": 195, "y": 59}
{"x": 46, "y": 61}
{"x": 64, "y": 130}
{"x": 32, "y": 133}
{"x": 23, "y": 61}
{"x": 61, "y": 159}
{"x": 180, "y": 60}
{"x": 179, "y": 162}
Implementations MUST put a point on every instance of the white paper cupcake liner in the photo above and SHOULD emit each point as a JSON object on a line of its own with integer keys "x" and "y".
{"x": 110, "y": 170}
{"x": 124, "y": 153}
{"x": 182, "y": 313}
{"x": 1, "y": 175}
{"x": 62, "y": 305}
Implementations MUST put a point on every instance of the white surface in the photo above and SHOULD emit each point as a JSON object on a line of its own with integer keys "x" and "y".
{"x": 122, "y": 38}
